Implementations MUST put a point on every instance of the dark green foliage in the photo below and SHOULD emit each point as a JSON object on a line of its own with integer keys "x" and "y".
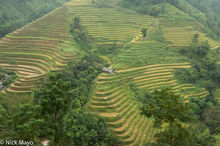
{"x": 63, "y": 95}
{"x": 79, "y": 33}
{"x": 76, "y": 24}
{"x": 141, "y": 94}
{"x": 201, "y": 135}
{"x": 144, "y": 32}
{"x": 55, "y": 99}
{"x": 16, "y": 13}
{"x": 206, "y": 12}
{"x": 197, "y": 51}
{"x": 168, "y": 108}
{"x": 198, "y": 106}
{"x": 87, "y": 129}
{"x": 208, "y": 113}
{"x": 187, "y": 75}
{"x": 181, "y": 137}
{"x": 20, "y": 122}
{"x": 81, "y": 74}
{"x": 178, "y": 118}
{"x": 212, "y": 119}
{"x": 205, "y": 68}
{"x": 211, "y": 88}
{"x": 211, "y": 10}
{"x": 58, "y": 112}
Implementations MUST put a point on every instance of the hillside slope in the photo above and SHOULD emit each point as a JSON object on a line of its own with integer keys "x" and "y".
{"x": 149, "y": 63}
{"x": 16, "y": 13}
{"x": 204, "y": 11}
{"x": 36, "y": 49}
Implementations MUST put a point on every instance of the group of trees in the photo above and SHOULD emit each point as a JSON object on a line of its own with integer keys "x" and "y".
{"x": 205, "y": 70}
{"x": 59, "y": 112}
{"x": 169, "y": 109}
{"x": 16, "y": 13}
{"x": 209, "y": 15}
{"x": 206, "y": 12}
{"x": 179, "y": 121}
{"x": 204, "y": 73}
{"x": 79, "y": 33}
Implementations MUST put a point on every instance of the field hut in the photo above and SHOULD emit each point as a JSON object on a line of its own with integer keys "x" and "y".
{"x": 108, "y": 70}
{"x": 1, "y": 86}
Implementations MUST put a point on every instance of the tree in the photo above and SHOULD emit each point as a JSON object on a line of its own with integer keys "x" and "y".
{"x": 79, "y": 33}
{"x": 27, "y": 122}
{"x": 212, "y": 119}
{"x": 201, "y": 135}
{"x": 144, "y": 32}
{"x": 175, "y": 135}
{"x": 211, "y": 88}
{"x": 83, "y": 128}
{"x": 76, "y": 22}
{"x": 169, "y": 109}
{"x": 75, "y": 25}
{"x": 195, "y": 39}
{"x": 21, "y": 122}
{"x": 55, "y": 99}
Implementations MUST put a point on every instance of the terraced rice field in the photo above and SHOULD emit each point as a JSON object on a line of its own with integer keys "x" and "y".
{"x": 35, "y": 49}
{"x": 107, "y": 25}
{"x": 114, "y": 101}
{"x": 181, "y": 36}
{"x": 178, "y": 36}
{"x": 147, "y": 52}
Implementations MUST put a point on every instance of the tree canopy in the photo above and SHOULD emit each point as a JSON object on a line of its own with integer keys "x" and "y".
{"x": 170, "y": 113}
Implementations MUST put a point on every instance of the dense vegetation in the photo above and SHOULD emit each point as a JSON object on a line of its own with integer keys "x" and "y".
{"x": 59, "y": 112}
{"x": 205, "y": 71}
{"x": 206, "y": 12}
{"x": 16, "y": 13}
{"x": 80, "y": 34}
{"x": 138, "y": 48}
{"x": 180, "y": 121}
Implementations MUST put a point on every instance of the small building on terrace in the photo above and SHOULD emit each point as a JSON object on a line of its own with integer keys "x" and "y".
{"x": 108, "y": 70}
{"x": 1, "y": 85}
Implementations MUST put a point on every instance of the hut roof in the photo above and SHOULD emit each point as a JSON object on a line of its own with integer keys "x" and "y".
{"x": 109, "y": 70}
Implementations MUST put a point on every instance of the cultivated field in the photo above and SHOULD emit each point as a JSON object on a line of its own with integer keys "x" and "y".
{"x": 36, "y": 49}
{"x": 114, "y": 100}
{"x": 107, "y": 25}
{"x": 146, "y": 53}
{"x": 46, "y": 45}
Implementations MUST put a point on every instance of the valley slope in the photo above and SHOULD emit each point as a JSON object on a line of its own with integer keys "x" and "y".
{"x": 150, "y": 63}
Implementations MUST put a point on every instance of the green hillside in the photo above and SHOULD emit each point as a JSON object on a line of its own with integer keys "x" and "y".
{"x": 16, "y": 13}
{"x": 111, "y": 98}
{"x": 114, "y": 30}
{"x": 35, "y": 49}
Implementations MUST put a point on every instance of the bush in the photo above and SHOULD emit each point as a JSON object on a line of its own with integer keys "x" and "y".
{"x": 187, "y": 75}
